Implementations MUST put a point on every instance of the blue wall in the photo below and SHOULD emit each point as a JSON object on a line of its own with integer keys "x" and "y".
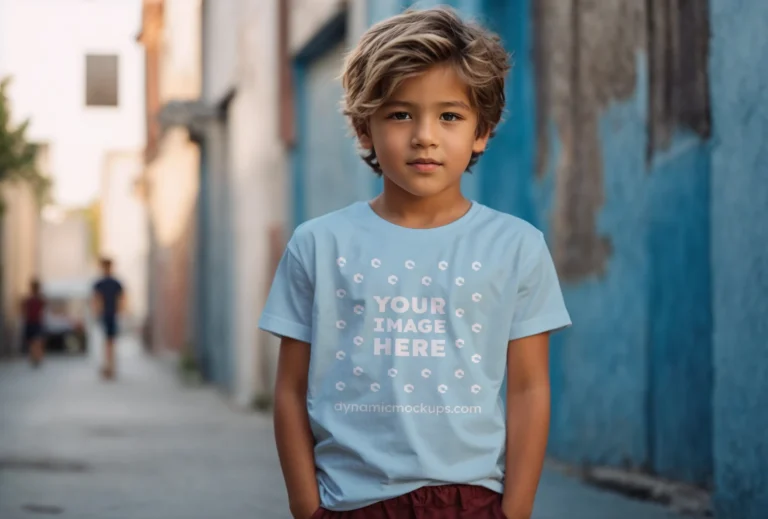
{"x": 214, "y": 265}
{"x": 644, "y": 325}
{"x": 739, "y": 81}
{"x": 326, "y": 173}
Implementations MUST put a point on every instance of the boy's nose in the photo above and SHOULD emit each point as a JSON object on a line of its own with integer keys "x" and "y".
{"x": 424, "y": 136}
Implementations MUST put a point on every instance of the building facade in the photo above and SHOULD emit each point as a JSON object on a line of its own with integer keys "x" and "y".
{"x": 80, "y": 88}
{"x": 19, "y": 258}
{"x": 171, "y": 37}
{"x": 90, "y": 57}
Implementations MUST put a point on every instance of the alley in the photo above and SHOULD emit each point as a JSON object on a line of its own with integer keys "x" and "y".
{"x": 142, "y": 447}
{"x": 147, "y": 447}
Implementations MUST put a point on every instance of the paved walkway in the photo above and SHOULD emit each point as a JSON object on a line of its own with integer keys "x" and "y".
{"x": 145, "y": 447}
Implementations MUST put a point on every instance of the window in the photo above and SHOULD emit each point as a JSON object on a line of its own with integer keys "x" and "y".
{"x": 101, "y": 80}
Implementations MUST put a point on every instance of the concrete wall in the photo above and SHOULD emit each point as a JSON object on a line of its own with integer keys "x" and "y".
{"x": 218, "y": 256}
{"x": 740, "y": 256}
{"x": 181, "y": 73}
{"x": 629, "y": 233}
{"x": 307, "y": 17}
{"x": 78, "y": 135}
{"x": 65, "y": 246}
{"x": 258, "y": 169}
{"x": 326, "y": 173}
{"x": 173, "y": 180}
{"x": 242, "y": 204}
{"x": 221, "y": 23}
{"x": 19, "y": 262}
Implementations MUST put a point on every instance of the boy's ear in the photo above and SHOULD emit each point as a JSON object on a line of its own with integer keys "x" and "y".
{"x": 364, "y": 137}
{"x": 481, "y": 141}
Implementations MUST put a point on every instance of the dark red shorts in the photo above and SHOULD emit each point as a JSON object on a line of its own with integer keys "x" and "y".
{"x": 431, "y": 502}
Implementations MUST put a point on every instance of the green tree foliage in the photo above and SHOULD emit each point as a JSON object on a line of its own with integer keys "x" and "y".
{"x": 17, "y": 155}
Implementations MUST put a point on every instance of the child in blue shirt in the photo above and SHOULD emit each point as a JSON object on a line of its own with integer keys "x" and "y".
{"x": 401, "y": 318}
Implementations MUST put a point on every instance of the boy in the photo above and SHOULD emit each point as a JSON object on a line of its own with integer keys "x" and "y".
{"x": 33, "y": 310}
{"x": 108, "y": 301}
{"x": 401, "y": 317}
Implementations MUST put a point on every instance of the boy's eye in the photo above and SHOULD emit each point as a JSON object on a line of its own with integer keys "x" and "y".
{"x": 450, "y": 116}
{"x": 398, "y": 116}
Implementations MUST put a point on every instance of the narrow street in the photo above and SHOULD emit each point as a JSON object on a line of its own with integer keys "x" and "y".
{"x": 147, "y": 447}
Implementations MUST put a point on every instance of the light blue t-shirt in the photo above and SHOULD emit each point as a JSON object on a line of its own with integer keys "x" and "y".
{"x": 409, "y": 331}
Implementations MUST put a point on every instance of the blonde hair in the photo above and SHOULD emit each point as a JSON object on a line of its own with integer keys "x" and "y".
{"x": 406, "y": 45}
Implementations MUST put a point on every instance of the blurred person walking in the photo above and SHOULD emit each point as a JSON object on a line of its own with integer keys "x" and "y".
{"x": 32, "y": 311}
{"x": 108, "y": 303}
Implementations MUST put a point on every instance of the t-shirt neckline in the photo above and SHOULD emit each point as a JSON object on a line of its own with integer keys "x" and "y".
{"x": 383, "y": 225}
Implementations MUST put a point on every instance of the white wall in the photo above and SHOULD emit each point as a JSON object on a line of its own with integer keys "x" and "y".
{"x": 65, "y": 251}
{"x": 307, "y": 17}
{"x": 43, "y": 44}
{"x": 258, "y": 170}
{"x": 220, "y": 36}
{"x": 181, "y": 70}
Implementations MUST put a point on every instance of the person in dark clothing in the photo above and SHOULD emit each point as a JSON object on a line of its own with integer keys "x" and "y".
{"x": 32, "y": 311}
{"x": 108, "y": 299}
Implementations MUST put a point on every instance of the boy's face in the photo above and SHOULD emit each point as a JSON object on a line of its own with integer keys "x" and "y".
{"x": 424, "y": 135}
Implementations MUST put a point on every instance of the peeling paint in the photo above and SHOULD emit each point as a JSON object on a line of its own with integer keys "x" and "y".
{"x": 586, "y": 59}
{"x": 678, "y": 55}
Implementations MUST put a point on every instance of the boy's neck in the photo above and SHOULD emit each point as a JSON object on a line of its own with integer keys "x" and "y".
{"x": 406, "y": 210}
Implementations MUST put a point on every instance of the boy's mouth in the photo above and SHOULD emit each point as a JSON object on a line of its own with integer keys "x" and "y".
{"x": 425, "y": 165}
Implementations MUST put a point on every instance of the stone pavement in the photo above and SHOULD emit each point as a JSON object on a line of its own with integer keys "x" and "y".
{"x": 146, "y": 447}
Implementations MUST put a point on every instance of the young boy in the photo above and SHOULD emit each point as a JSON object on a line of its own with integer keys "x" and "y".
{"x": 108, "y": 298}
{"x": 33, "y": 310}
{"x": 400, "y": 318}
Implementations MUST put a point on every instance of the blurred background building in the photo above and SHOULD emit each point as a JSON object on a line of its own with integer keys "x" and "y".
{"x": 634, "y": 138}
{"x": 76, "y": 74}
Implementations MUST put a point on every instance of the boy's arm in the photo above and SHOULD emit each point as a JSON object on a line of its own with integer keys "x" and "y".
{"x": 295, "y": 443}
{"x": 528, "y": 411}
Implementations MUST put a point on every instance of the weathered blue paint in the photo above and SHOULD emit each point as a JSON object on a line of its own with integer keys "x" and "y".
{"x": 600, "y": 364}
{"x": 324, "y": 175}
{"x": 644, "y": 326}
{"x": 202, "y": 262}
{"x": 298, "y": 154}
{"x": 505, "y": 172}
{"x": 381, "y": 9}
{"x": 739, "y": 95}
{"x": 680, "y": 317}
{"x": 220, "y": 273}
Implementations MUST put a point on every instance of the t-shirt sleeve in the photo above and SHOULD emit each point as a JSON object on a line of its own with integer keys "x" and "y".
{"x": 539, "y": 306}
{"x": 288, "y": 311}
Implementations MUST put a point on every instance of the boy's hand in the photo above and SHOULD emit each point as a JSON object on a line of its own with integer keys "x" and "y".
{"x": 305, "y": 511}
{"x": 514, "y": 511}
